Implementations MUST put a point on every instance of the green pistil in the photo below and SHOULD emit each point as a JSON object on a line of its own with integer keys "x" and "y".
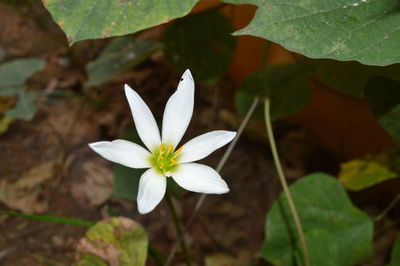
{"x": 164, "y": 159}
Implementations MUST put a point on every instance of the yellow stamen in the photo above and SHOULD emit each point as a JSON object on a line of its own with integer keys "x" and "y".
{"x": 170, "y": 148}
{"x": 162, "y": 164}
{"x": 173, "y": 161}
{"x": 179, "y": 150}
{"x": 161, "y": 147}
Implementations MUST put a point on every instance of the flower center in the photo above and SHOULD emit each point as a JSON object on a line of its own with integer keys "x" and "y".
{"x": 165, "y": 159}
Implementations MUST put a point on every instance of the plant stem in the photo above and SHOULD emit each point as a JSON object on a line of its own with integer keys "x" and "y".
{"x": 388, "y": 208}
{"x": 220, "y": 165}
{"x": 178, "y": 228}
{"x": 225, "y": 156}
{"x": 282, "y": 178}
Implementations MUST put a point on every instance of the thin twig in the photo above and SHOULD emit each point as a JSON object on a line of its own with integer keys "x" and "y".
{"x": 388, "y": 208}
{"x": 5, "y": 252}
{"x": 220, "y": 165}
{"x": 282, "y": 178}
{"x": 178, "y": 228}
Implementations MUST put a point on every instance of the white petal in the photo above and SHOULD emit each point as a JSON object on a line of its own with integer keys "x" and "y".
{"x": 199, "y": 178}
{"x": 152, "y": 186}
{"x": 144, "y": 120}
{"x": 203, "y": 145}
{"x": 123, "y": 152}
{"x": 178, "y": 111}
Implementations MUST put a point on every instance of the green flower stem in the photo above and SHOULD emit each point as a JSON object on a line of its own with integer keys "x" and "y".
{"x": 178, "y": 228}
{"x": 220, "y": 165}
{"x": 282, "y": 178}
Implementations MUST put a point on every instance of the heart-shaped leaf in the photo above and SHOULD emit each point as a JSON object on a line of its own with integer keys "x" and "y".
{"x": 344, "y": 233}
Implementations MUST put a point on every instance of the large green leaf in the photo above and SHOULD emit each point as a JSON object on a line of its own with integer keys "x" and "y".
{"x": 13, "y": 74}
{"x": 86, "y": 19}
{"x": 322, "y": 245}
{"x": 114, "y": 241}
{"x": 373, "y": 169}
{"x": 285, "y": 85}
{"x": 333, "y": 227}
{"x": 383, "y": 97}
{"x": 363, "y": 30}
{"x": 201, "y": 42}
{"x": 121, "y": 54}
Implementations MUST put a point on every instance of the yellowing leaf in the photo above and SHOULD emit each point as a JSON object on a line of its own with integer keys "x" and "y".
{"x": 359, "y": 174}
{"x": 26, "y": 194}
{"x": 365, "y": 172}
{"x": 115, "y": 241}
{"x": 220, "y": 259}
{"x": 5, "y": 122}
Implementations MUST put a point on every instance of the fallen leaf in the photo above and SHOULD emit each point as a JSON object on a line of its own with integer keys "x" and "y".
{"x": 26, "y": 194}
{"x": 116, "y": 241}
{"x": 96, "y": 185}
{"x": 5, "y": 122}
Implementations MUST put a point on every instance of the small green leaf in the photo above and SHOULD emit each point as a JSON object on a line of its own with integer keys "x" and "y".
{"x": 25, "y": 108}
{"x": 285, "y": 85}
{"x": 12, "y": 83}
{"x": 361, "y": 30}
{"x": 14, "y": 73}
{"x": 121, "y": 54}
{"x": 114, "y": 241}
{"x": 373, "y": 169}
{"x": 395, "y": 255}
{"x": 202, "y": 43}
{"x": 383, "y": 98}
{"x": 87, "y": 19}
{"x": 322, "y": 205}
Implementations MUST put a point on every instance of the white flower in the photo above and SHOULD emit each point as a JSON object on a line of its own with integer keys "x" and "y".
{"x": 161, "y": 155}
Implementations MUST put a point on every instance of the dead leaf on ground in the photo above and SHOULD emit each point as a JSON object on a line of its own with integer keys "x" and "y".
{"x": 95, "y": 186}
{"x": 115, "y": 241}
{"x": 26, "y": 194}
